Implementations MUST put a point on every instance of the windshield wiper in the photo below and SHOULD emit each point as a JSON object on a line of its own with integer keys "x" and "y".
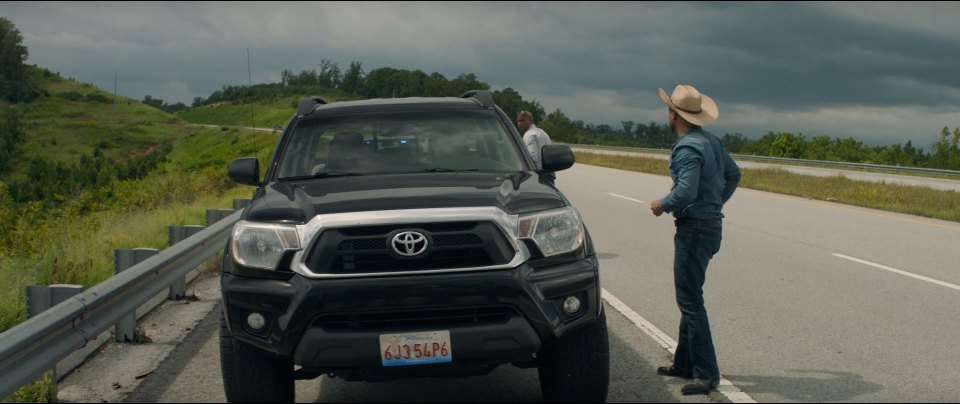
{"x": 321, "y": 174}
{"x": 449, "y": 170}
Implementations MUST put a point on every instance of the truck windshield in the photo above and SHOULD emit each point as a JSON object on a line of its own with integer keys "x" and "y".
{"x": 400, "y": 142}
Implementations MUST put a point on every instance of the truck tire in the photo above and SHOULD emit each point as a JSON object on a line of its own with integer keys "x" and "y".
{"x": 251, "y": 375}
{"x": 576, "y": 368}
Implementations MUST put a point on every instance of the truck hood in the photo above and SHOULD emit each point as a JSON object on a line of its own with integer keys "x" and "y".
{"x": 299, "y": 201}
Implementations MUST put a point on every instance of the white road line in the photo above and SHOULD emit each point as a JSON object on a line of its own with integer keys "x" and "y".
{"x": 726, "y": 388}
{"x": 898, "y": 271}
{"x": 625, "y": 197}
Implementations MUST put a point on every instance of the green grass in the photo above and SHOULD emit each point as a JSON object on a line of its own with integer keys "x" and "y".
{"x": 40, "y": 391}
{"x": 913, "y": 200}
{"x": 61, "y": 130}
{"x": 79, "y": 248}
{"x": 266, "y": 114}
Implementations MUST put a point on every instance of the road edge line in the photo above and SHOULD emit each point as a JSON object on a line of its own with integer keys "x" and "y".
{"x": 728, "y": 389}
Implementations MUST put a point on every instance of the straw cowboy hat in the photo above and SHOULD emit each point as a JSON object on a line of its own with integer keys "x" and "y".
{"x": 694, "y": 107}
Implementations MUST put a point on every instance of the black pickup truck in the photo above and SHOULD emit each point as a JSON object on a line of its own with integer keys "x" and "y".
{"x": 410, "y": 237}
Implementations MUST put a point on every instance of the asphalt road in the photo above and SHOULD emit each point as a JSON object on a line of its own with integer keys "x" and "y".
{"x": 192, "y": 374}
{"x": 791, "y": 320}
{"x": 808, "y": 301}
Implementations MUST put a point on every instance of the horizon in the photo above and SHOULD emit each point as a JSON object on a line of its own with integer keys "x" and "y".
{"x": 875, "y": 72}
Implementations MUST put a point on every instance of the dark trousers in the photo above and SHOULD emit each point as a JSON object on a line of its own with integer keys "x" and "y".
{"x": 694, "y": 247}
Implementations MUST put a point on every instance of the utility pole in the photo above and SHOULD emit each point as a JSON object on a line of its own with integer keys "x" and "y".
{"x": 114, "y": 89}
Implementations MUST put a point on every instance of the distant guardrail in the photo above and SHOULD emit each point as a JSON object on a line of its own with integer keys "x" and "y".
{"x": 784, "y": 160}
{"x": 33, "y": 347}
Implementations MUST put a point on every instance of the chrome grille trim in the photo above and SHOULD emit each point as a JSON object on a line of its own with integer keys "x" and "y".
{"x": 508, "y": 224}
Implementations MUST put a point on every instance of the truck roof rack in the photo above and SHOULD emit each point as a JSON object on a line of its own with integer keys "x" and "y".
{"x": 306, "y": 105}
{"x": 481, "y": 96}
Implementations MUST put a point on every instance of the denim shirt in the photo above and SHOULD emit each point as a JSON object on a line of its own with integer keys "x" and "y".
{"x": 704, "y": 177}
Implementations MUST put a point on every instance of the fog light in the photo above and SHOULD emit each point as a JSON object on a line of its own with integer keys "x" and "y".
{"x": 571, "y": 304}
{"x": 256, "y": 321}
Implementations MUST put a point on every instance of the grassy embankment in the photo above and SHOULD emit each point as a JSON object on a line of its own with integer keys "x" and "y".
{"x": 266, "y": 114}
{"x": 75, "y": 246}
{"x": 913, "y": 200}
{"x": 72, "y": 242}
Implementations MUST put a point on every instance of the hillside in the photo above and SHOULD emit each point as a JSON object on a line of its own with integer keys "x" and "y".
{"x": 266, "y": 114}
{"x": 103, "y": 176}
{"x": 76, "y": 118}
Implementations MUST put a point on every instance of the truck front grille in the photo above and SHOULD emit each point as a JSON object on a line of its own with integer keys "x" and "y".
{"x": 367, "y": 249}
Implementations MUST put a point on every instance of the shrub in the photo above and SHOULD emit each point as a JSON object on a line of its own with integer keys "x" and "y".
{"x": 71, "y": 96}
{"x": 95, "y": 97}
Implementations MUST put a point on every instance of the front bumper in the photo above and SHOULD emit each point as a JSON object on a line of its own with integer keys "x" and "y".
{"x": 494, "y": 317}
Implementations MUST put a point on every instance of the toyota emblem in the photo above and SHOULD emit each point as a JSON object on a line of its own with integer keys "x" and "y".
{"x": 409, "y": 243}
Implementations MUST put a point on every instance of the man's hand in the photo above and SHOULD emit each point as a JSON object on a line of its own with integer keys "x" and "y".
{"x": 655, "y": 208}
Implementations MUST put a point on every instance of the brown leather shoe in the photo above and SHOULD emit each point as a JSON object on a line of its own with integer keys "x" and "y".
{"x": 700, "y": 386}
{"x": 674, "y": 372}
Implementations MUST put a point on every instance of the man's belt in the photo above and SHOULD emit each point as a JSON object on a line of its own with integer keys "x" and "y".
{"x": 691, "y": 222}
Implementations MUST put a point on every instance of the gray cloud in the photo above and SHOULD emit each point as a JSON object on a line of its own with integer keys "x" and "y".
{"x": 880, "y": 72}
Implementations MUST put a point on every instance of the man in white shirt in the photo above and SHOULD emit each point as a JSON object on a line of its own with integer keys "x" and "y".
{"x": 534, "y": 138}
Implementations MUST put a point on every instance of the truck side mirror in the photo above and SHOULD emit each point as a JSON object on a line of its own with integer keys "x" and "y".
{"x": 245, "y": 171}
{"x": 557, "y": 157}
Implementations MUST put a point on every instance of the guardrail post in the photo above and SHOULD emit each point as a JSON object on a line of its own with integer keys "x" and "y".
{"x": 125, "y": 328}
{"x": 43, "y": 297}
{"x": 215, "y": 215}
{"x": 178, "y": 288}
{"x": 38, "y": 300}
{"x": 240, "y": 203}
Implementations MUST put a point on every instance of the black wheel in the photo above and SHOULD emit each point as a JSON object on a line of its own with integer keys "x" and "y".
{"x": 251, "y": 375}
{"x": 576, "y": 368}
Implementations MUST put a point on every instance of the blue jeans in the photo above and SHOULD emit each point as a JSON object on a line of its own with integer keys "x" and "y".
{"x": 694, "y": 246}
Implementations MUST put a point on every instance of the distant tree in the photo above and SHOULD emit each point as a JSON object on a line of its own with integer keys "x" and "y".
{"x": 197, "y": 101}
{"x": 847, "y": 149}
{"x": 329, "y": 74}
{"x": 762, "y": 146}
{"x": 788, "y": 145}
{"x": 818, "y": 148}
{"x": 733, "y": 143}
{"x": 560, "y": 128}
{"x": 18, "y": 83}
{"x": 511, "y": 102}
{"x": 353, "y": 79}
{"x": 945, "y": 154}
{"x": 172, "y": 108}
{"x": 436, "y": 85}
{"x": 153, "y": 102}
{"x": 628, "y": 127}
{"x": 467, "y": 82}
{"x": 955, "y": 150}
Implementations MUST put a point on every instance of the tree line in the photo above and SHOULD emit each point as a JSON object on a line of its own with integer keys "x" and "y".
{"x": 387, "y": 82}
{"x": 18, "y": 83}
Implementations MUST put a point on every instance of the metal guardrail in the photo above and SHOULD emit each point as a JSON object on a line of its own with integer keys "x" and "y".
{"x": 838, "y": 164}
{"x": 33, "y": 347}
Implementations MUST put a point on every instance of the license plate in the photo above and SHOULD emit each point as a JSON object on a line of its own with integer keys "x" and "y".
{"x": 416, "y": 348}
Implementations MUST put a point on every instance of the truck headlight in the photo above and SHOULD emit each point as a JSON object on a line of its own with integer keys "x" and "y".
{"x": 261, "y": 245}
{"x": 554, "y": 231}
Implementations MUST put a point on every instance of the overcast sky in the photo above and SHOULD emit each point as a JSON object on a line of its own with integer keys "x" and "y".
{"x": 883, "y": 73}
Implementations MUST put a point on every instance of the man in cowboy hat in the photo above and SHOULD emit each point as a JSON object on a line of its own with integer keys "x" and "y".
{"x": 704, "y": 178}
